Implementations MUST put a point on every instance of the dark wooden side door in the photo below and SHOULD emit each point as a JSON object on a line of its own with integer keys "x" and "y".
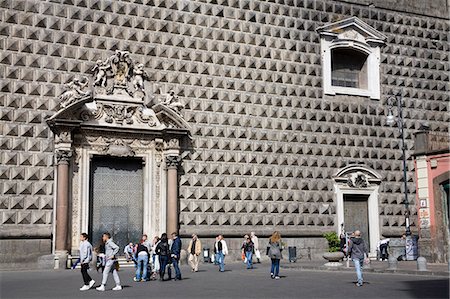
{"x": 356, "y": 215}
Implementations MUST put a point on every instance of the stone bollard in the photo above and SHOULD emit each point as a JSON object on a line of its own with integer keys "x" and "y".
{"x": 392, "y": 262}
{"x": 421, "y": 263}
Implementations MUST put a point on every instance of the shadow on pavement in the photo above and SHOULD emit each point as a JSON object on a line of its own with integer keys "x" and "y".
{"x": 438, "y": 288}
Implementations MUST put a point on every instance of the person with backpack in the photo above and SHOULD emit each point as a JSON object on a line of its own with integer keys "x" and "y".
{"x": 274, "y": 253}
{"x": 141, "y": 257}
{"x": 175, "y": 253}
{"x": 248, "y": 248}
{"x": 163, "y": 251}
{"x": 85, "y": 259}
{"x": 359, "y": 254}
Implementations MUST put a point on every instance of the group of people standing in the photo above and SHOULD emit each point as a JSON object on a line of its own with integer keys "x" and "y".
{"x": 158, "y": 256}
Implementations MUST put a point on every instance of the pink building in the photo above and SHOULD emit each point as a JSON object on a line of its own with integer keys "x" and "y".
{"x": 432, "y": 164}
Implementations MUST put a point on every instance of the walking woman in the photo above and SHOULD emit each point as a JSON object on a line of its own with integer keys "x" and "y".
{"x": 275, "y": 248}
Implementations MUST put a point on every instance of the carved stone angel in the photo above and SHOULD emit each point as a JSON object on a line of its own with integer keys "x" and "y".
{"x": 173, "y": 102}
{"x": 100, "y": 70}
{"x": 139, "y": 77}
{"x": 75, "y": 91}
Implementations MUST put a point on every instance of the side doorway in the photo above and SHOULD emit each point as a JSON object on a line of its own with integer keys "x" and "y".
{"x": 356, "y": 215}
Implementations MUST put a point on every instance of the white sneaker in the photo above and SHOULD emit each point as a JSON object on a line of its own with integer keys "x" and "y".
{"x": 91, "y": 283}
{"x": 117, "y": 288}
{"x": 101, "y": 288}
{"x": 84, "y": 288}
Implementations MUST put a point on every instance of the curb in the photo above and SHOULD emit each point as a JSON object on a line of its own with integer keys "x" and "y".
{"x": 368, "y": 270}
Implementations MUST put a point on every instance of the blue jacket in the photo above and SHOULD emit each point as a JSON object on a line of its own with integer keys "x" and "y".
{"x": 176, "y": 247}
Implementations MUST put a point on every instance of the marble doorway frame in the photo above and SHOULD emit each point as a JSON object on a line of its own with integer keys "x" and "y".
{"x": 370, "y": 187}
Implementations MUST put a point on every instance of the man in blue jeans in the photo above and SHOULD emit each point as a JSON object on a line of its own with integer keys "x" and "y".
{"x": 221, "y": 250}
{"x": 358, "y": 252}
{"x": 175, "y": 252}
{"x": 142, "y": 261}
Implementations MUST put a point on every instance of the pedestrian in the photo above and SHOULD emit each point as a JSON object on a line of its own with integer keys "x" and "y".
{"x": 274, "y": 252}
{"x": 163, "y": 251}
{"x": 216, "y": 254}
{"x": 383, "y": 246}
{"x": 85, "y": 259}
{"x": 129, "y": 252}
{"x": 359, "y": 254}
{"x": 256, "y": 244}
{"x": 244, "y": 258}
{"x": 175, "y": 253}
{"x": 141, "y": 257}
{"x": 100, "y": 252}
{"x": 222, "y": 250}
{"x": 155, "y": 258}
{"x": 111, "y": 249}
{"x": 194, "y": 249}
{"x": 248, "y": 249}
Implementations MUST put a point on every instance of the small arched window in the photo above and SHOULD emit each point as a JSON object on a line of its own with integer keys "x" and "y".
{"x": 348, "y": 68}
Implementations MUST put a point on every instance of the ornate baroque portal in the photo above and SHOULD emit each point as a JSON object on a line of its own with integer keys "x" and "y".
{"x": 357, "y": 187}
{"x": 116, "y": 117}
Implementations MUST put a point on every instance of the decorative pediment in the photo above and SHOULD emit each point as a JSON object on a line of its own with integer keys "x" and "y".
{"x": 352, "y": 29}
{"x": 116, "y": 99}
{"x": 357, "y": 176}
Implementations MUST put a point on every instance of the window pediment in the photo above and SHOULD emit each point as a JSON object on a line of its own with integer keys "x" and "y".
{"x": 345, "y": 70}
{"x": 352, "y": 29}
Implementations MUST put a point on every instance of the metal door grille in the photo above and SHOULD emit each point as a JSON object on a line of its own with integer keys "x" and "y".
{"x": 116, "y": 199}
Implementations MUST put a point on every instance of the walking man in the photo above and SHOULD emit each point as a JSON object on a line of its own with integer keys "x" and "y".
{"x": 175, "y": 252}
{"x": 85, "y": 259}
{"x": 222, "y": 250}
{"x": 194, "y": 249}
{"x": 111, "y": 249}
{"x": 358, "y": 252}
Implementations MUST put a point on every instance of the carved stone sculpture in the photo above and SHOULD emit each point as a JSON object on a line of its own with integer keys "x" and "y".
{"x": 358, "y": 180}
{"x": 139, "y": 77}
{"x": 173, "y": 102}
{"x": 121, "y": 65}
{"x": 76, "y": 90}
{"x": 100, "y": 72}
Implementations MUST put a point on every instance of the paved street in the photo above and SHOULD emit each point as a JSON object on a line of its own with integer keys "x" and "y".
{"x": 234, "y": 283}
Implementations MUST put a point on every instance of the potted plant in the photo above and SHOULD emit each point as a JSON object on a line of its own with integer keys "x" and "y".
{"x": 334, "y": 255}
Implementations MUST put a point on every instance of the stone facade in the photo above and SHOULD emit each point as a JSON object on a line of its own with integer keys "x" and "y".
{"x": 266, "y": 141}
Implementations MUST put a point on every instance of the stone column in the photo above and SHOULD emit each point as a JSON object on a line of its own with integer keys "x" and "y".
{"x": 62, "y": 200}
{"x": 172, "y": 163}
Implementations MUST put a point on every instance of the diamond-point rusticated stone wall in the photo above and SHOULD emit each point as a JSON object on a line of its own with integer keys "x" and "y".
{"x": 266, "y": 139}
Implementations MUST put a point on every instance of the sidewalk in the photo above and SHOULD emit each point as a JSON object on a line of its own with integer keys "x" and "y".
{"x": 403, "y": 267}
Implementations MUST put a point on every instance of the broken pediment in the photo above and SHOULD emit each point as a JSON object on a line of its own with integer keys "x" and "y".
{"x": 357, "y": 176}
{"x": 352, "y": 29}
{"x": 116, "y": 99}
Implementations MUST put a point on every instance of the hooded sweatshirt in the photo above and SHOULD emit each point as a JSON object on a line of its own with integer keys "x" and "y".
{"x": 357, "y": 248}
